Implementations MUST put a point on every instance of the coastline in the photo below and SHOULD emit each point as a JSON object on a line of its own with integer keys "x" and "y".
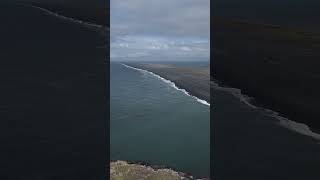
{"x": 272, "y": 72}
{"x": 96, "y": 14}
{"x": 174, "y": 84}
{"x": 283, "y": 78}
{"x": 153, "y": 169}
{"x": 300, "y": 128}
{"x": 142, "y": 104}
{"x": 71, "y": 19}
{"x": 250, "y": 138}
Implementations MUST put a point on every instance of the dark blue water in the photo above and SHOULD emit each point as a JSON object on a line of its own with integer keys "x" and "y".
{"x": 155, "y": 123}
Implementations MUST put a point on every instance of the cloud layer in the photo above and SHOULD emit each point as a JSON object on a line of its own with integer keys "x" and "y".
{"x": 153, "y": 29}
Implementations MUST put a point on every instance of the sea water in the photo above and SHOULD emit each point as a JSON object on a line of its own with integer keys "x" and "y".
{"x": 153, "y": 122}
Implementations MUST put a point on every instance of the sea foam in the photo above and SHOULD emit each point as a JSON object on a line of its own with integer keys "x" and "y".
{"x": 170, "y": 83}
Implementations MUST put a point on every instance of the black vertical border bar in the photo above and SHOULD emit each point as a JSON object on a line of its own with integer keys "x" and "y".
{"x": 53, "y": 113}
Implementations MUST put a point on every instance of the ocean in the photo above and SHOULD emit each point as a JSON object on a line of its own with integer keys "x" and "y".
{"x": 154, "y": 122}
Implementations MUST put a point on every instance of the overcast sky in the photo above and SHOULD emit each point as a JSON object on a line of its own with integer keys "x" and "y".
{"x": 161, "y": 30}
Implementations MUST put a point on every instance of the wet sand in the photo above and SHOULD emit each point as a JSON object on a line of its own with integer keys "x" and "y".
{"x": 196, "y": 81}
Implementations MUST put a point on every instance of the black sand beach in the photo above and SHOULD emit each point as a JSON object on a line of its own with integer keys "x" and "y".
{"x": 53, "y": 108}
{"x": 196, "y": 81}
{"x": 278, "y": 66}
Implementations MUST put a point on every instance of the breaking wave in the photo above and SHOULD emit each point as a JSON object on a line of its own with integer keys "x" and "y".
{"x": 172, "y": 84}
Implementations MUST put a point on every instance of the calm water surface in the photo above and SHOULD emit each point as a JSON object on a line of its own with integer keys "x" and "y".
{"x": 155, "y": 123}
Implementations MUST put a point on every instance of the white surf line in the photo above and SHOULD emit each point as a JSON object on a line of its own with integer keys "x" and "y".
{"x": 284, "y": 122}
{"x": 88, "y": 24}
{"x": 172, "y": 84}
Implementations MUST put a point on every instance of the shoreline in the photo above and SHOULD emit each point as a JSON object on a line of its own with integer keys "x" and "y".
{"x": 282, "y": 79}
{"x": 67, "y": 18}
{"x": 156, "y": 168}
{"x": 285, "y": 122}
{"x": 172, "y": 83}
{"x": 94, "y": 14}
{"x": 252, "y": 139}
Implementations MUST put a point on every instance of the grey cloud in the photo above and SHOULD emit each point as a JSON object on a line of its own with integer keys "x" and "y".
{"x": 165, "y": 17}
{"x": 153, "y": 28}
